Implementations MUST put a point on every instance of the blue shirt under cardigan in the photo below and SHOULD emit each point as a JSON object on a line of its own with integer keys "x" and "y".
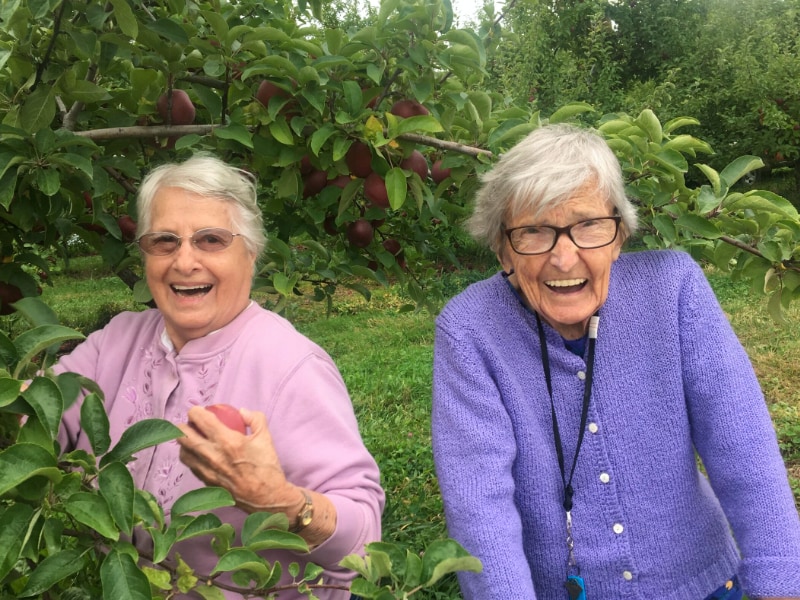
{"x": 670, "y": 378}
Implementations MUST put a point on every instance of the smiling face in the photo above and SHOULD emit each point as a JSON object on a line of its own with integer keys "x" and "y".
{"x": 197, "y": 292}
{"x": 567, "y": 285}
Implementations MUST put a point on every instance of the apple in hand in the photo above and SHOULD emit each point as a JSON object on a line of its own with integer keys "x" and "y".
{"x": 229, "y": 416}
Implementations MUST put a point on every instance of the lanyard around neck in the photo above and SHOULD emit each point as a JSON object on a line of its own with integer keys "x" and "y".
{"x": 566, "y": 480}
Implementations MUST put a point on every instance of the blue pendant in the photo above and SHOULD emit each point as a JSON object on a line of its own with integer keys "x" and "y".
{"x": 576, "y": 588}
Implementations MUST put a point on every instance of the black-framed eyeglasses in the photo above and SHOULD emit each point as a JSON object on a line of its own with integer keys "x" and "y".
{"x": 586, "y": 234}
{"x": 164, "y": 243}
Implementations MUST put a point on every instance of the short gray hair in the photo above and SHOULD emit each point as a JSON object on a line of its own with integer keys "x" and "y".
{"x": 542, "y": 171}
{"x": 210, "y": 178}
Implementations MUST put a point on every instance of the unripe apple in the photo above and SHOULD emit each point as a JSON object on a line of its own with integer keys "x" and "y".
{"x": 229, "y": 416}
{"x": 360, "y": 233}
{"x": 375, "y": 190}
{"x": 183, "y": 111}
{"x": 359, "y": 159}
{"x": 416, "y": 162}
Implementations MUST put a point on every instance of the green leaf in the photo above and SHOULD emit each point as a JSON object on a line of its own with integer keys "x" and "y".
{"x": 94, "y": 422}
{"x": 699, "y": 226}
{"x": 36, "y": 311}
{"x": 170, "y": 30}
{"x": 140, "y": 435}
{"x": 650, "y": 124}
{"x": 201, "y": 499}
{"x": 45, "y": 398}
{"x": 32, "y": 342}
{"x": 125, "y": 19}
{"x": 8, "y": 352}
{"x": 122, "y": 579}
{"x": 23, "y": 461}
{"x": 86, "y": 92}
{"x": 281, "y": 132}
{"x": 92, "y": 510}
{"x": 397, "y": 187}
{"x": 204, "y": 524}
{"x": 276, "y": 539}
{"x": 38, "y": 109}
{"x": 115, "y": 483}
{"x": 565, "y": 113}
{"x": 427, "y": 124}
{"x": 9, "y": 390}
{"x": 446, "y": 556}
{"x": 740, "y": 167}
{"x": 775, "y": 309}
{"x": 240, "y": 558}
{"x": 320, "y": 136}
{"x": 235, "y": 132}
{"x": 14, "y": 522}
{"x": 51, "y": 570}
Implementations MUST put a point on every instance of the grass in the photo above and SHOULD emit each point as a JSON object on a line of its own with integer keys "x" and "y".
{"x": 385, "y": 358}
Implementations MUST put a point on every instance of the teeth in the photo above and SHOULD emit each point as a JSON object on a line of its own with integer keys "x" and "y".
{"x": 565, "y": 282}
{"x": 189, "y": 289}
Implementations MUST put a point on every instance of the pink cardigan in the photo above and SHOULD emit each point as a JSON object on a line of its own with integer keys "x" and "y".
{"x": 260, "y": 362}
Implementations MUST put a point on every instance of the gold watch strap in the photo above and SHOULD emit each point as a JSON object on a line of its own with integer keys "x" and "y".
{"x": 306, "y": 514}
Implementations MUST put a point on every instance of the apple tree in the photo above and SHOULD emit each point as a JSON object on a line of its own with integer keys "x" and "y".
{"x": 367, "y": 136}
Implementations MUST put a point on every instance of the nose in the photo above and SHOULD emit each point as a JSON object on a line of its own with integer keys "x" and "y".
{"x": 186, "y": 258}
{"x": 564, "y": 254}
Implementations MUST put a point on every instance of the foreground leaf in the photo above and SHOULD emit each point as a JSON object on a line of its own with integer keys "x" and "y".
{"x": 139, "y": 436}
{"x": 122, "y": 579}
{"x": 51, "y": 570}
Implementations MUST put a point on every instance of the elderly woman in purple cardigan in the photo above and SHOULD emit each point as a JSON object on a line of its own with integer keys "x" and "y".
{"x": 207, "y": 343}
{"x": 574, "y": 391}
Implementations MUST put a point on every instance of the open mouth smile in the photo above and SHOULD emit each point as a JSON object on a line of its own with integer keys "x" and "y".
{"x": 565, "y": 286}
{"x": 187, "y": 290}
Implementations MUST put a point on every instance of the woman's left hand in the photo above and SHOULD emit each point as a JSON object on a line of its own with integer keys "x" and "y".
{"x": 246, "y": 466}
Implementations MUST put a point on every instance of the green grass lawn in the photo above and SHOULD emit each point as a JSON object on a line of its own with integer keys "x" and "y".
{"x": 385, "y": 358}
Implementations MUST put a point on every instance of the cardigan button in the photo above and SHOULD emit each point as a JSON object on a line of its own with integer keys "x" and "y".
{"x": 605, "y": 477}
{"x": 593, "y": 427}
{"x": 618, "y": 528}
{"x": 627, "y": 575}
{"x": 581, "y": 375}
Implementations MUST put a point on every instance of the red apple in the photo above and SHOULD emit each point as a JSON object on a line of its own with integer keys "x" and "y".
{"x": 360, "y": 233}
{"x": 329, "y": 225}
{"x": 375, "y": 190}
{"x": 268, "y": 90}
{"x": 393, "y": 247}
{"x": 341, "y": 181}
{"x": 438, "y": 174}
{"x": 229, "y": 416}
{"x": 408, "y": 108}
{"x": 182, "y": 112}
{"x": 8, "y": 293}
{"x": 128, "y": 228}
{"x": 314, "y": 182}
{"x": 416, "y": 162}
{"x": 359, "y": 159}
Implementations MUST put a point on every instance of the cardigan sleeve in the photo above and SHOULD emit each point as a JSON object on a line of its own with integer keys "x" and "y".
{"x": 474, "y": 452}
{"x": 734, "y": 436}
{"x": 316, "y": 436}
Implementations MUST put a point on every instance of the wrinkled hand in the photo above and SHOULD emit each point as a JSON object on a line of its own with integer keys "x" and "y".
{"x": 247, "y": 466}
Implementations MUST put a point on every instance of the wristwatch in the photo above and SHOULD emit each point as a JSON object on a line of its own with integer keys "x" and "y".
{"x": 306, "y": 514}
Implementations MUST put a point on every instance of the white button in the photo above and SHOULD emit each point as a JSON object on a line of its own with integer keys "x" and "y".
{"x": 627, "y": 575}
{"x": 593, "y": 428}
{"x": 605, "y": 477}
{"x": 581, "y": 375}
{"x": 618, "y": 528}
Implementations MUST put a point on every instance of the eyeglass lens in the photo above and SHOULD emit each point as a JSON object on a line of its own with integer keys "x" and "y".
{"x": 591, "y": 233}
{"x": 161, "y": 243}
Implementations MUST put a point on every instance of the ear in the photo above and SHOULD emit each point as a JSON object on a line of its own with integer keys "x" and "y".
{"x": 505, "y": 261}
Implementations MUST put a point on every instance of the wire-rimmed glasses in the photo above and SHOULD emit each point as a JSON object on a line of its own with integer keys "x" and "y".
{"x": 164, "y": 243}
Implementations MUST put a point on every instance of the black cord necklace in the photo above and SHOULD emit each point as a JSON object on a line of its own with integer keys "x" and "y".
{"x": 574, "y": 584}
